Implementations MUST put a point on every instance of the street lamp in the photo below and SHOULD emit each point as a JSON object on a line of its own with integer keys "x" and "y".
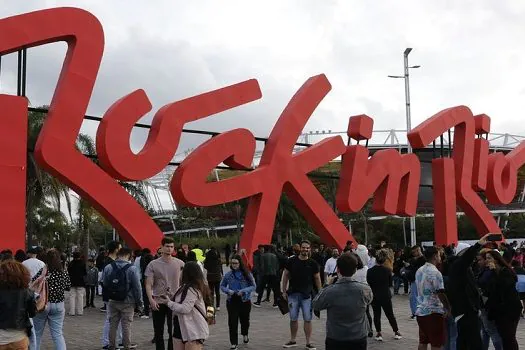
{"x": 406, "y": 77}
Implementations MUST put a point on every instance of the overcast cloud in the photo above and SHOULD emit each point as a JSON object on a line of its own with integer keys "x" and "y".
{"x": 471, "y": 53}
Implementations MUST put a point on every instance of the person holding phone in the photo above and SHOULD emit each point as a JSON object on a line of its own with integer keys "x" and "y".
{"x": 464, "y": 296}
{"x": 239, "y": 285}
{"x": 190, "y": 325}
{"x": 503, "y": 303}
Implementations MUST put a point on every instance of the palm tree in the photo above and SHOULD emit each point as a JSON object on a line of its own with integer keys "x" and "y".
{"x": 41, "y": 188}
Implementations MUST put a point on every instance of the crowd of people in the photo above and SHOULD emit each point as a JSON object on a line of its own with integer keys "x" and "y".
{"x": 462, "y": 297}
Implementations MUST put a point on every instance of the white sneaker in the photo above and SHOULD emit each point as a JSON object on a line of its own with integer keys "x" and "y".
{"x": 217, "y": 308}
{"x": 144, "y": 317}
{"x": 233, "y": 347}
{"x": 398, "y": 336}
{"x": 379, "y": 337}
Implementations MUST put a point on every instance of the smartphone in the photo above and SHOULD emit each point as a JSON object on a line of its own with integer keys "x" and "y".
{"x": 495, "y": 237}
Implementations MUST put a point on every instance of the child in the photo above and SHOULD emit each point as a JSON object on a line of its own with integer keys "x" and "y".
{"x": 91, "y": 283}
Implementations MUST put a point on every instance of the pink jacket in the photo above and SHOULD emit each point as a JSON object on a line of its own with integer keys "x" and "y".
{"x": 193, "y": 326}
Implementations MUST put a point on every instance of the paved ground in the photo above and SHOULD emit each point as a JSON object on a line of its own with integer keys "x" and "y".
{"x": 269, "y": 330}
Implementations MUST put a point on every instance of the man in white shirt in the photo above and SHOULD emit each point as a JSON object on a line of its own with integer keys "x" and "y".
{"x": 32, "y": 264}
{"x": 331, "y": 264}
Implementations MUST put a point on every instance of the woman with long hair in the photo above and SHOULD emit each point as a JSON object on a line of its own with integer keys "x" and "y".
{"x": 213, "y": 267}
{"x": 379, "y": 278}
{"x": 192, "y": 256}
{"x": 190, "y": 325}
{"x": 503, "y": 303}
{"x": 58, "y": 282}
{"x": 239, "y": 285}
{"x": 17, "y": 305}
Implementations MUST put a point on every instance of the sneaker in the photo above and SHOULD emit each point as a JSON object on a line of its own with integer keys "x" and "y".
{"x": 275, "y": 306}
{"x": 413, "y": 317}
{"x": 370, "y": 335}
{"x": 145, "y": 317}
{"x": 290, "y": 344}
{"x": 398, "y": 336}
{"x": 257, "y": 304}
{"x": 103, "y": 308}
{"x": 310, "y": 347}
{"x": 379, "y": 337}
{"x": 233, "y": 347}
{"x": 218, "y": 308}
{"x": 131, "y": 346}
{"x": 245, "y": 339}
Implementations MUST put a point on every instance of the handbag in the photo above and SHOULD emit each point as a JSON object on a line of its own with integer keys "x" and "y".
{"x": 210, "y": 314}
{"x": 282, "y": 304}
{"x": 40, "y": 287}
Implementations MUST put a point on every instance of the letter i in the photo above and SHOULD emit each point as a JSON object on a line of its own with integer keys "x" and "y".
{"x": 481, "y": 152}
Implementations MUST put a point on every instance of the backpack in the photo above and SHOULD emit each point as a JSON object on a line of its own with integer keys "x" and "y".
{"x": 117, "y": 287}
{"x": 40, "y": 287}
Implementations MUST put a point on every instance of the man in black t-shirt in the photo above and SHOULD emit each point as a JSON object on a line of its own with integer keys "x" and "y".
{"x": 304, "y": 279}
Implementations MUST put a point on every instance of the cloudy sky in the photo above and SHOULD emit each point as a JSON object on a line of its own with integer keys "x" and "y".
{"x": 470, "y": 52}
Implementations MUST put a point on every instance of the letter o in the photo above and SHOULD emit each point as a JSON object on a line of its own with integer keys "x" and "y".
{"x": 502, "y": 180}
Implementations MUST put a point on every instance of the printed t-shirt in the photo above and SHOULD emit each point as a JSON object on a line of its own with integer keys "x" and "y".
{"x": 429, "y": 282}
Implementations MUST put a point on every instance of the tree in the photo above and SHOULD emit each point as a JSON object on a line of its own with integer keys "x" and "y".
{"x": 41, "y": 188}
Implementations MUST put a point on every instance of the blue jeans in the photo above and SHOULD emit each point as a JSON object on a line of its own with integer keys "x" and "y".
{"x": 452, "y": 334}
{"x": 397, "y": 283}
{"x": 488, "y": 332}
{"x": 54, "y": 314}
{"x": 413, "y": 297}
{"x": 296, "y": 303}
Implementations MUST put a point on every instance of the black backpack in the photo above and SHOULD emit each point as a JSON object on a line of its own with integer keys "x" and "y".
{"x": 117, "y": 288}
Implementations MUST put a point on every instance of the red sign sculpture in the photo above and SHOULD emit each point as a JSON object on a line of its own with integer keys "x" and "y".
{"x": 470, "y": 169}
{"x": 392, "y": 178}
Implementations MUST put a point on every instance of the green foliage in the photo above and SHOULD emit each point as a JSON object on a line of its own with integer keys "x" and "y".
{"x": 42, "y": 190}
{"x": 44, "y": 196}
{"x": 206, "y": 243}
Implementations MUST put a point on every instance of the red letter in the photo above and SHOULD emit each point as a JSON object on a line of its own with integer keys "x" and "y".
{"x": 462, "y": 120}
{"x": 55, "y": 149}
{"x": 392, "y": 178}
{"x": 278, "y": 170}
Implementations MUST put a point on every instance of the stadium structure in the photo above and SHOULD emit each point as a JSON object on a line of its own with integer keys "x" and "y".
{"x": 158, "y": 186}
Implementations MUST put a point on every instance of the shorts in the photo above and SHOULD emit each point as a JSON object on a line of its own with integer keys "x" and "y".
{"x": 297, "y": 302}
{"x": 432, "y": 330}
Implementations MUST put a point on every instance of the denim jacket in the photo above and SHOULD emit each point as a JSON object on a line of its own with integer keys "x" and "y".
{"x": 134, "y": 288}
{"x": 230, "y": 283}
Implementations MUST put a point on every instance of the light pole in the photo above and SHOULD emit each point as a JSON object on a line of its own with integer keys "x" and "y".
{"x": 406, "y": 77}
